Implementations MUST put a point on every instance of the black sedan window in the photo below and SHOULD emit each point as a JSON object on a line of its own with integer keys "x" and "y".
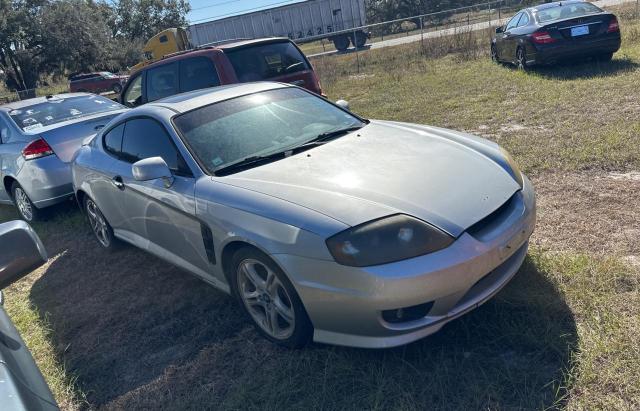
{"x": 566, "y": 11}
{"x": 258, "y": 124}
{"x": 513, "y": 22}
{"x": 59, "y": 109}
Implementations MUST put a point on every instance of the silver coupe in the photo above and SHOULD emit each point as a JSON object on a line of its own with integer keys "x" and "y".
{"x": 323, "y": 225}
{"x": 38, "y": 138}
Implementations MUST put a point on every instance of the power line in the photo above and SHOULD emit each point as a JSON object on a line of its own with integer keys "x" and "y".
{"x": 216, "y": 5}
{"x": 244, "y": 11}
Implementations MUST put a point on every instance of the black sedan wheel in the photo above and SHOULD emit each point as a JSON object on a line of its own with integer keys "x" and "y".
{"x": 269, "y": 299}
{"x": 494, "y": 54}
{"x": 521, "y": 59}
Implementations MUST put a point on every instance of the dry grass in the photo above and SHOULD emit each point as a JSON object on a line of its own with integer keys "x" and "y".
{"x": 128, "y": 331}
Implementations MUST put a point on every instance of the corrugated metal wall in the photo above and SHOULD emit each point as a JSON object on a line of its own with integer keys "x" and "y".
{"x": 296, "y": 21}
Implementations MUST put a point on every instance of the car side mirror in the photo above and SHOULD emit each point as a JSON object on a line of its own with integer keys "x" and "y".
{"x": 499, "y": 29}
{"x": 152, "y": 168}
{"x": 343, "y": 103}
{"x": 22, "y": 252}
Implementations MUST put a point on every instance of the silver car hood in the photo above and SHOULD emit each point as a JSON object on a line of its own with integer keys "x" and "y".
{"x": 439, "y": 176}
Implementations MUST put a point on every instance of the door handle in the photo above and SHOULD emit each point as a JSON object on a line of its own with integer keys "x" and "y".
{"x": 118, "y": 183}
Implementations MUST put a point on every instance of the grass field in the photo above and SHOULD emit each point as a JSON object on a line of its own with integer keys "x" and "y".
{"x": 127, "y": 331}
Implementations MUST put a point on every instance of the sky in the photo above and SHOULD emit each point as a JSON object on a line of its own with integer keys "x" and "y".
{"x": 204, "y": 10}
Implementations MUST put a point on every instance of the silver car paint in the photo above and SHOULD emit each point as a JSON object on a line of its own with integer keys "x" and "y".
{"x": 46, "y": 180}
{"x": 289, "y": 207}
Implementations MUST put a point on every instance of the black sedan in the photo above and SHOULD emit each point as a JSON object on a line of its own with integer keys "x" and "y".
{"x": 556, "y": 31}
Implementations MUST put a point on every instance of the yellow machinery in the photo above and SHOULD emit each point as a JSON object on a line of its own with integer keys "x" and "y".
{"x": 166, "y": 42}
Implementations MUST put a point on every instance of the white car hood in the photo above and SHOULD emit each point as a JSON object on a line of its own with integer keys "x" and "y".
{"x": 388, "y": 168}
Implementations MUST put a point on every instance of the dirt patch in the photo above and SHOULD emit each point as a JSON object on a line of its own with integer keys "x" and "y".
{"x": 588, "y": 211}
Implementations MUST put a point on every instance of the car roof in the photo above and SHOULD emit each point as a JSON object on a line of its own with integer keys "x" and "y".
{"x": 554, "y": 4}
{"x": 226, "y": 45}
{"x": 37, "y": 100}
{"x": 183, "y": 102}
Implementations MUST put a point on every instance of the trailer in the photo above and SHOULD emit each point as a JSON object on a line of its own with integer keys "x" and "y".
{"x": 340, "y": 21}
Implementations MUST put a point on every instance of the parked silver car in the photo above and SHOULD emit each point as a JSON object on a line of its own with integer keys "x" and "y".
{"x": 38, "y": 138}
{"x": 22, "y": 386}
{"x": 324, "y": 225}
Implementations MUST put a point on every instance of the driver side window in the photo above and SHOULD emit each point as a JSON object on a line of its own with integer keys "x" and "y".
{"x": 513, "y": 22}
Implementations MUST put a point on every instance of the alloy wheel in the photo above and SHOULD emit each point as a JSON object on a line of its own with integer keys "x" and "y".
{"x": 522, "y": 60}
{"x": 266, "y": 299}
{"x": 98, "y": 224}
{"x": 494, "y": 54}
{"x": 24, "y": 204}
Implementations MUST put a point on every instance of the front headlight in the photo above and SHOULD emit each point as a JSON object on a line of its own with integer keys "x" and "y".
{"x": 386, "y": 240}
{"x": 514, "y": 170}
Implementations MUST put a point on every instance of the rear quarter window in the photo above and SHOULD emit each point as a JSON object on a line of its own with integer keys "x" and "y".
{"x": 266, "y": 61}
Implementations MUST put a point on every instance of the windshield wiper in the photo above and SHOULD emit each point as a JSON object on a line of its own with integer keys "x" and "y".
{"x": 248, "y": 161}
{"x": 327, "y": 136}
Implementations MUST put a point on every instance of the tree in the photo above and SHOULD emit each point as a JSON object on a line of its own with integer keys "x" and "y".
{"x": 142, "y": 19}
{"x": 55, "y": 37}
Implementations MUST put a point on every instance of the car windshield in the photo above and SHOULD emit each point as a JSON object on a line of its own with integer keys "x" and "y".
{"x": 106, "y": 74}
{"x": 259, "y": 124}
{"x": 566, "y": 11}
{"x": 58, "y": 109}
{"x": 265, "y": 61}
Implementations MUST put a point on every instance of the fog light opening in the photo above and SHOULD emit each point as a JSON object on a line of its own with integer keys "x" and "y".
{"x": 405, "y": 314}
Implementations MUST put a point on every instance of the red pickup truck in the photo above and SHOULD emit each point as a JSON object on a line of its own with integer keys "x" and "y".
{"x": 97, "y": 82}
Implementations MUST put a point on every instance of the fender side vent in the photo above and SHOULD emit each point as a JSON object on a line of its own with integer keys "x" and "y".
{"x": 207, "y": 238}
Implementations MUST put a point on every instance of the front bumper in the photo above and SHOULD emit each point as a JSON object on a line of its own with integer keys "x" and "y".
{"x": 345, "y": 304}
{"x": 546, "y": 54}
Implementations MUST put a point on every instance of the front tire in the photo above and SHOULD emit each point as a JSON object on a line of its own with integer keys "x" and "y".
{"x": 116, "y": 88}
{"x": 27, "y": 210}
{"x": 100, "y": 226}
{"x": 494, "y": 54}
{"x": 269, "y": 299}
{"x": 521, "y": 59}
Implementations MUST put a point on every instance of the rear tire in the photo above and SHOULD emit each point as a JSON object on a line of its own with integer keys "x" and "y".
{"x": 269, "y": 299}
{"x": 341, "y": 43}
{"x": 100, "y": 226}
{"x": 27, "y": 210}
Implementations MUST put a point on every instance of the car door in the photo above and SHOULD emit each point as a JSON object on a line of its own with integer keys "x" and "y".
{"x": 4, "y": 148}
{"x": 11, "y": 145}
{"x": 506, "y": 40}
{"x": 162, "y": 219}
{"x": 107, "y": 184}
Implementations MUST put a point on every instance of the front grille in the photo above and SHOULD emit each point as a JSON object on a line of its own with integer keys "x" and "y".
{"x": 479, "y": 229}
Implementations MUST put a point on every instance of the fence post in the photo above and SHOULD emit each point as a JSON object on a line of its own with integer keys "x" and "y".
{"x": 421, "y": 34}
{"x": 489, "y": 15}
{"x": 322, "y": 42}
{"x": 356, "y": 47}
